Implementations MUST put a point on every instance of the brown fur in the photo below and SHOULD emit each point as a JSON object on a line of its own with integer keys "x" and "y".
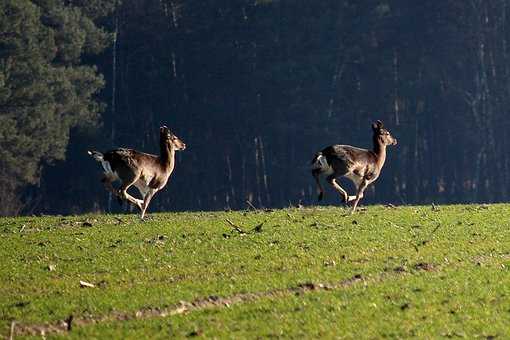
{"x": 361, "y": 166}
{"x": 149, "y": 173}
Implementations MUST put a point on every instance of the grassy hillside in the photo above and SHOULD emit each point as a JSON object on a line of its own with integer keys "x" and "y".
{"x": 317, "y": 272}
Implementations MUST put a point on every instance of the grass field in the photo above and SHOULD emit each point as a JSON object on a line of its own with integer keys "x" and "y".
{"x": 401, "y": 272}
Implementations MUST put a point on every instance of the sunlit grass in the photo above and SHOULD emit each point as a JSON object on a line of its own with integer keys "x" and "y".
{"x": 451, "y": 267}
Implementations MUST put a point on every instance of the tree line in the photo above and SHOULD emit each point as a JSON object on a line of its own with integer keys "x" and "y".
{"x": 254, "y": 88}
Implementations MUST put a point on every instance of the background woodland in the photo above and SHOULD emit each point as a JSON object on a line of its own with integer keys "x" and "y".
{"x": 254, "y": 88}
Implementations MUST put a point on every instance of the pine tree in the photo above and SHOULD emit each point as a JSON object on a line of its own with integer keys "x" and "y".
{"x": 44, "y": 89}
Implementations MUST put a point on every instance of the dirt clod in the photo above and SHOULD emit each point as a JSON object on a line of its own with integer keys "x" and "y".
{"x": 424, "y": 266}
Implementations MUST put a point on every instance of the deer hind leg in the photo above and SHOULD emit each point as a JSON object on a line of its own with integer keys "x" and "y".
{"x": 359, "y": 195}
{"x": 320, "y": 190}
{"x": 107, "y": 181}
{"x": 332, "y": 180}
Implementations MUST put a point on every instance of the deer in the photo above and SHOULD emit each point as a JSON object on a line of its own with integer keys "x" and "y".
{"x": 361, "y": 166}
{"x": 148, "y": 173}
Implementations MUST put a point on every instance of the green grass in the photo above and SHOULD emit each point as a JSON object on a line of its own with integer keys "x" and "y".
{"x": 426, "y": 272}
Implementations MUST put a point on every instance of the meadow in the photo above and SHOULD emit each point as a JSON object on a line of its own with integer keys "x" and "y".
{"x": 395, "y": 272}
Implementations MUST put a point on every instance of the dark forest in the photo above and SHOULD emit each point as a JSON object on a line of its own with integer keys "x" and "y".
{"x": 254, "y": 88}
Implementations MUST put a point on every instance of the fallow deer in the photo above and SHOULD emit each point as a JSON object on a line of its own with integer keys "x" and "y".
{"x": 361, "y": 166}
{"x": 148, "y": 173}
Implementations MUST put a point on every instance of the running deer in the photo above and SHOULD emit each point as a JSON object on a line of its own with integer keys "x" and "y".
{"x": 148, "y": 173}
{"x": 361, "y": 166}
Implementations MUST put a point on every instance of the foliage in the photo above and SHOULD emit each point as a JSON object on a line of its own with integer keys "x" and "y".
{"x": 44, "y": 89}
{"x": 255, "y": 88}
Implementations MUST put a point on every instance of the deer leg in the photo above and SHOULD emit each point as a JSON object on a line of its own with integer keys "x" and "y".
{"x": 124, "y": 195}
{"x": 320, "y": 191}
{"x": 361, "y": 188}
{"x": 352, "y": 198}
{"x": 332, "y": 180}
{"x": 107, "y": 182}
{"x": 147, "y": 199}
{"x": 357, "y": 183}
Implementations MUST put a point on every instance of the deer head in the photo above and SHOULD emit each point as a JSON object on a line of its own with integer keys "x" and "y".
{"x": 169, "y": 138}
{"x": 382, "y": 135}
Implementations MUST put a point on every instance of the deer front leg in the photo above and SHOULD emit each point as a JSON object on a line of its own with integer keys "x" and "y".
{"x": 146, "y": 200}
{"x": 332, "y": 180}
{"x": 125, "y": 196}
{"x": 359, "y": 195}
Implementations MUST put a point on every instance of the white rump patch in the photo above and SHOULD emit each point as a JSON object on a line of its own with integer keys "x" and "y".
{"x": 322, "y": 164}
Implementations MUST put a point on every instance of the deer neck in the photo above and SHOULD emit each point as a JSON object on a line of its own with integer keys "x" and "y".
{"x": 380, "y": 152}
{"x": 167, "y": 155}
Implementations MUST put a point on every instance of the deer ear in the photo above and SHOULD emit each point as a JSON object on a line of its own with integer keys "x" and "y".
{"x": 377, "y": 125}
